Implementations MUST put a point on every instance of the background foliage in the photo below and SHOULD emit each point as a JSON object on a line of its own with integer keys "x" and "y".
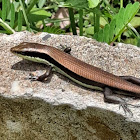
{"x": 104, "y": 20}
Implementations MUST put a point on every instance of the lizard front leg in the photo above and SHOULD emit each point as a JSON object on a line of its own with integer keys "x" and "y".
{"x": 66, "y": 49}
{"x": 110, "y": 97}
{"x": 48, "y": 74}
{"x": 43, "y": 77}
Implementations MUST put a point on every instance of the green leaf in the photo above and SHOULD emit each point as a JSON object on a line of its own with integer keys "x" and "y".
{"x": 4, "y": 5}
{"x": 12, "y": 15}
{"x": 31, "y": 5}
{"x": 89, "y": 30}
{"x": 72, "y": 20}
{"x": 6, "y": 26}
{"x": 54, "y": 30}
{"x": 8, "y": 7}
{"x": 103, "y": 22}
{"x": 119, "y": 22}
{"x": 126, "y": 13}
{"x": 16, "y": 5}
{"x": 86, "y": 23}
{"x": 25, "y": 15}
{"x": 100, "y": 36}
{"x": 20, "y": 20}
{"x": 81, "y": 4}
{"x": 41, "y": 3}
{"x": 131, "y": 41}
{"x": 81, "y": 21}
{"x": 3, "y": 32}
{"x": 135, "y": 22}
{"x": 106, "y": 33}
{"x": 112, "y": 30}
{"x": 37, "y": 14}
{"x": 138, "y": 42}
{"x": 93, "y": 3}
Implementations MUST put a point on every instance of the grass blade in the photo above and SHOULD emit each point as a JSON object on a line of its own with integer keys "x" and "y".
{"x": 97, "y": 21}
{"x": 32, "y": 3}
{"x": 6, "y": 27}
{"x": 81, "y": 21}
{"x": 25, "y": 16}
{"x": 12, "y": 15}
{"x": 72, "y": 20}
{"x": 20, "y": 20}
{"x": 4, "y": 10}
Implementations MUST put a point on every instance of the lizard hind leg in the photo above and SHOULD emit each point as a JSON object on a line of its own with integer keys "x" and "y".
{"x": 110, "y": 98}
{"x": 131, "y": 79}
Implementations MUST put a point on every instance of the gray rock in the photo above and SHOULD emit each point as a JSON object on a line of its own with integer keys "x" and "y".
{"x": 61, "y": 109}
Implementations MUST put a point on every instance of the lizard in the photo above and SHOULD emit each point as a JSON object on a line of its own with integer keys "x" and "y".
{"x": 80, "y": 72}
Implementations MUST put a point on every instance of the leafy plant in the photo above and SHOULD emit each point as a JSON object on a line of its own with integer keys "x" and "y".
{"x": 118, "y": 23}
{"x": 18, "y": 16}
{"x": 106, "y": 21}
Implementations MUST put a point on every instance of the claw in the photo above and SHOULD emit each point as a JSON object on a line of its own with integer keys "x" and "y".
{"x": 38, "y": 76}
{"x": 135, "y": 106}
{"x": 32, "y": 77}
{"x": 124, "y": 106}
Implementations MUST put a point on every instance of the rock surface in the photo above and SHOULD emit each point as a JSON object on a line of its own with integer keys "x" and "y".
{"x": 61, "y": 109}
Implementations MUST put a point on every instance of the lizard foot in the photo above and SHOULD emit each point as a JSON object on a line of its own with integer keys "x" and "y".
{"x": 41, "y": 77}
{"x": 125, "y": 107}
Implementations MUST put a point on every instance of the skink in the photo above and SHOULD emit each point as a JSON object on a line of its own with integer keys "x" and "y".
{"x": 79, "y": 71}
